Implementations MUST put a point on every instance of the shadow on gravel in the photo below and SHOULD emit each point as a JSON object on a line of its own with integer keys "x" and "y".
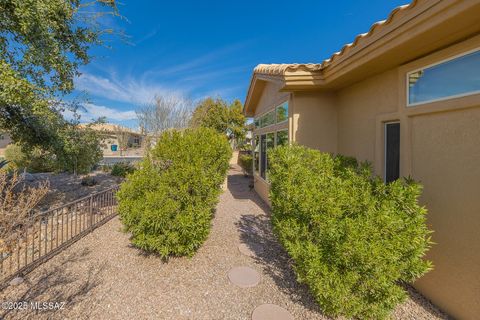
{"x": 55, "y": 284}
{"x": 240, "y": 186}
{"x": 256, "y": 233}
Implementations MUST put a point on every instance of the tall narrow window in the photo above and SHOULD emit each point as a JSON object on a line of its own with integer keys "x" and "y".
{"x": 263, "y": 155}
{"x": 270, "y": 144}
{"x": 256, "y": 154}
{"x": 392, "y": 151}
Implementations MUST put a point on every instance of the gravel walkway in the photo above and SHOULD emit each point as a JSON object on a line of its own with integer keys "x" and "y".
{"x": 103, "y": 277}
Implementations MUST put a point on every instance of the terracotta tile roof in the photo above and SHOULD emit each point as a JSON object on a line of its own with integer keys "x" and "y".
{"x": 282, "y": 69}
{"x": 275, "y": 69}
{"x": 109, "y": 127}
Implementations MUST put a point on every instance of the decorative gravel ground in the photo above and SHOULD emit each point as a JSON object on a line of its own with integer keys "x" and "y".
{"x": 103, "y": 277}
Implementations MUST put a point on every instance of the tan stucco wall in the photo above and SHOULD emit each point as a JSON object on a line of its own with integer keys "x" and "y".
{"x": 271, "y": 97}
{"x": 358, "y": 107}
{"x": 440, "y": 147}
{"x": 262, "y": 188}
{"x": 315, "y": 120}
{"x": 446, "y": 157}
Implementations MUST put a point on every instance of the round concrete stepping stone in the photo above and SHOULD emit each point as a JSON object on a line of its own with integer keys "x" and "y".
{"x": 244, "y": 277}
{"x": 271, "y": 312}
{"x": 250, "y": 250}
{"x": 16, "y": 281}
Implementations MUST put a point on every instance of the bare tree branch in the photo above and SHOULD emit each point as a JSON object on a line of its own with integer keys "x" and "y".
{"x": 164, "y": 113}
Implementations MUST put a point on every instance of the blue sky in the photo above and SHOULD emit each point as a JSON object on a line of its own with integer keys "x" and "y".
{"x": 203, "y": 48}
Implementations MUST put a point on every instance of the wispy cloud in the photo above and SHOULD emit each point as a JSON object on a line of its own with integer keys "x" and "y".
{"x": 128, "y": 89}
{"x": 148, "y": 36}
{"x": 202, "y": 63}
{"x": 92, "y": 111}
{"x": 201, "y": 76}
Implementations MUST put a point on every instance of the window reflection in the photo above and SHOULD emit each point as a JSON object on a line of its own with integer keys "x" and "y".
{"x": 452, "y": 78}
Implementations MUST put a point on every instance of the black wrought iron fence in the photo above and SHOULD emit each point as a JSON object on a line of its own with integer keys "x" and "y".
{"x": 49, "y": 232}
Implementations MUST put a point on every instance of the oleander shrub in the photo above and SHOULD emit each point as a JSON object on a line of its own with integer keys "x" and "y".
{"x": 122, "y": 169}
{"x": 246, "y": 163}
{"x": 168, "y": 203}
{"x": 353, "y": 239}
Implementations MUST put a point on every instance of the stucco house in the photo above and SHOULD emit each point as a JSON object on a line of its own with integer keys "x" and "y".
{"x": 406, "y": 97}
{"x": 111, "y": 145}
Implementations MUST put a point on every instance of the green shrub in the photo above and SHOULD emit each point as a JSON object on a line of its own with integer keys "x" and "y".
{"x": 122, "y": 169}
{"x": 246, "y": 162}
{"x": 352, "y": 238}
{"x": 34, "y": 160}
{"x": 15, "y": 155}
{"x": 168, "y": 203}
{"x": 88, "y": 181}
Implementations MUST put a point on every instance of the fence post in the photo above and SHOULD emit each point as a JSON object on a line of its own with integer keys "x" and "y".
{"x": 90, "y": 213}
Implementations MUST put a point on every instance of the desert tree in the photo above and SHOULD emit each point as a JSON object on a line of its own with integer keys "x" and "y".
{"x": 164, "y": 113}
{"x": 42, "y": 45}
{"x": 225, "y": 118}
{"x": 123, "y": 136}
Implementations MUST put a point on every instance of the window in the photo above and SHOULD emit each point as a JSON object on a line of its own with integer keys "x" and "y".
{"x": 282, "y": 137}
{"x": 453, "y": 78}
{"x": 282, "y": 112}
{"x": 264, "y": 143}
{"x": 267, "y": 142}
{"x": 392, "y": 151}
{"x": 263, "y": 155}
{"x": 256, "y": 154}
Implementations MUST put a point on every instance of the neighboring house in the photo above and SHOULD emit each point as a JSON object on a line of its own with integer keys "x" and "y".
{"x": 111, "y": 145}
{"x": 406, "y": 97}
{"x": 4, "y": 142}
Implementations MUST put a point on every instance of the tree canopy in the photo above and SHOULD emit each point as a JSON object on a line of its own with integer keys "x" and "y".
{"x": 217, "y": 114}
{"x": 42, "y": 45}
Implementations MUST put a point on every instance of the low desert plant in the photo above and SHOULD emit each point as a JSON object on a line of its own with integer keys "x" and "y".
{"x": 353, "y": 238}
{"x": 88, "y": 181}
{"x": 16, "y": 207}
{"x": 168, "y": 203}
{"x": 122, "y": 169}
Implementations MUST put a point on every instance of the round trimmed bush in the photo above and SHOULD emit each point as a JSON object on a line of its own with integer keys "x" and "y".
{"x": 354, "y": 240}
{"x": 168, "y": 203}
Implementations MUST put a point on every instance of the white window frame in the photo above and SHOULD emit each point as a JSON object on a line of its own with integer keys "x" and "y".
{"x": 433, "y": 65}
